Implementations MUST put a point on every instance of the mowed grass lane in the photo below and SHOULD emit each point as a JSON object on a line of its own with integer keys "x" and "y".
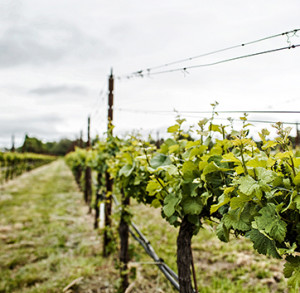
{"x": 46, "y": 237}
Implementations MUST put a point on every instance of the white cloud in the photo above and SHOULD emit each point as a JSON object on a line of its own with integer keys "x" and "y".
{"x": 59, "y": 89}
{"x": 56, "y": 55}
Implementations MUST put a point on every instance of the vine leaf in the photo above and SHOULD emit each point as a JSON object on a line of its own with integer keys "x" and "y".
{"x": 126, "y": 170}
{"x": 222, "y": 232}
{"x": 170, "y": 169}
{"x": 190, "y": 189}
{"x": 173, "y": 128}
{"x": 262, "y": 243}
{"x": 270, "y": 222}
{"x": 170, "y": 203}
{"x": 213, "y": 167}
{"x": 292, "y": 271}
{"x": 297, "y": 201}
{"x": 197, "y": 151}
{"x": 265, "y": 176}
{"x": 153, "y": 187}
{"x": 215, "y": 128}
{"x": 160, "y": 160}
{"x": 223, "y": 199}
{"x": 248, "y": 185}
{"x": 239, "y": 202}
{"x": 231, "y": 158}
{"x": 189, "y": 169}
{"x": 269, "y": 144}
{"x": 297, "y": 179}
{"x": 192, "y": 206}
{"x": 237, "y": 220}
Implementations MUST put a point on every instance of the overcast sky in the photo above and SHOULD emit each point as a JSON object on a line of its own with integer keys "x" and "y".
{"x": 55, "y": 58}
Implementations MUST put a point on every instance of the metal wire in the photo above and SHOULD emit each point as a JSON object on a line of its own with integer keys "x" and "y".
{"x": 184, "y": 69}
{"x": 148, "y": 70}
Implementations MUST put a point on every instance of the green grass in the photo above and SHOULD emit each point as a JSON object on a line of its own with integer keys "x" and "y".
{"x": 46, "y": 236}
{"x": 47, "y": 241}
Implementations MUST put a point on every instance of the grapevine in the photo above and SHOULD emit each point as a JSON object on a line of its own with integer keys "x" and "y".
{"x": 222, "y": 178}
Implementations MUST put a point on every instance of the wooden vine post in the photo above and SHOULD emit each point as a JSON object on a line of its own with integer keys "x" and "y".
{"x": 12, "y": 144}
{"x": 297, "y": 140}
{"x": 124, "y": 237}
{"x": 80, "y": 139}
{"x": 97, "y": 202}
{"x": 79, "y": 168}
{"x": 109, "y": 182}
{"x": 88, "y": 173}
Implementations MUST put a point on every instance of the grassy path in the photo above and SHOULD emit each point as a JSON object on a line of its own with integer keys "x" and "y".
{"x": 47, "y": 241}
{"x": 46, "y": 236}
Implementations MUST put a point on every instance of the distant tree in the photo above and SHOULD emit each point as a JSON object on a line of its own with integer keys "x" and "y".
{"x": 62, "y": 147}
{"x": 33, "y": 145}
{"x": 50, "y": 145}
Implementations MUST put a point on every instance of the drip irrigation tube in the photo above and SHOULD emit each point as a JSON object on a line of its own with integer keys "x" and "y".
{"x": 143, "y": 241}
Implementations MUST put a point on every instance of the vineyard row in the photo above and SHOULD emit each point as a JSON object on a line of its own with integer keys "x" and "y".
{"x": 211, "y": 175}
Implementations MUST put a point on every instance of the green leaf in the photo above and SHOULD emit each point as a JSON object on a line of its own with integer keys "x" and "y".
{"x": 194, "y": 219}
{"x": 170, "y": 169}
{"x": 173, "y": 128}
{"x": 222, "y": 232}
{"x": 238, "y": 220}
{"x": 270, "y": 222}
{"x": 160, "y": 160}
{"x": 192, "y": 205}
{"x": 292, "y": 271}
{"x": 170, "y": 202}
{"x": 223, "y": 199}
{"x": 247, "y": 184}
{"x": 192, "y": 143}
{"x": 217, "y": 159}
{"x": 251, "y": 187}
{"x": 292, "y": 262}
{"x": 173, "y": 220}
{"x": 257, "y": 162}
{"x": 239, "y": 170}
{"x": 288, "y": 250}
{"x": 269, "y": 144}
{"x": 126, "y": 170}
{"x": 297, "y": 179}
{"x": 155, "y": 203}
{"x": 285, "y": 155}
{"x": 153, "y": 187}
{"x": 190, "y": 189}
{"x": 164, "y": 149}
{"x": 212, "y": 167}
{"x": 239, "y": 202}
{"x": 188, "y": 170}
{"x": 231, "y": 158}
{"x": 297, "y": 201}
{"x": 262, "y": 243}
{"x": 202, "y": 165}
{"x": 264, "y": 175}
{"x": 137, "y": 180}
{"x": 215, "y": 128}
{"x": 173, "y": 148}
{"x": 197, "y": 151}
